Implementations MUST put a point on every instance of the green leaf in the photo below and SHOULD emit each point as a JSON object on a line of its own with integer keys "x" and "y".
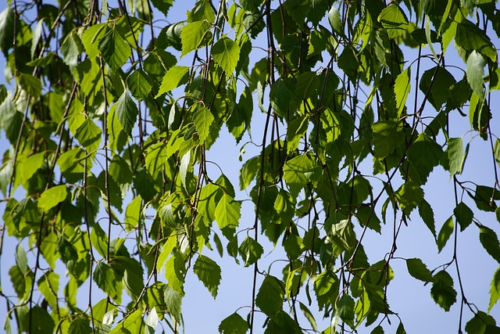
{"x": 49, "y": 287}
{"x": 475, "y": 72}
{"x": 307, "y": 83}
{"x": 89, "y": 135}
{"x": 42, "y": 322}
{"x": 80, "y": 325}
{"x": 163, "y": 5}
{"x": 209, "y": 273}
{"x": 106, "y": 280}
{"x": 424, "y": 154}
{"x": 6, "y": 29}
{"x": 173, "y": 300}
{"x": 174, "y": 272}
{"x": 21, "y": 259}
{"x": 133, "y": 213}
{"x": 280, "y": 97}
{"x": 71, "y": 48}
{"x": 366, "y": 217}
{"x": 485, "y": 198}
{"x": 18, "y": 280}
{"x": 114, "y": 49}
{"x": 99, "y": 240}
{"x": 435, "y": 84}
{"x": 489, "y": 240}
{"x": 193, "y": 34}
{"x": 203, "y": 119}
{"x": 52, "y": 197}
{"x": 227, "y": 212}
{"x": 402, "y": 88}
{"x": 418, "y": 269}
{"x": 297, "y": 172}
{"x": 126, "y": 111}
{"x": 250, "y": 251}
{"x": 464, "y": 215}
{"x": 445, "y": 233}
{"x": 481, "y": 323}
{"x": 298, "y": 9}
{"x": 442, "y": 290}
{"x": 393, "y": 20}
{"x": 226, "y": 53}
{"x": 175, "y": 77}
{"x": 345, "y": 309}
{"x": 139, "y": 84}
{"x": 470, "y": 37}
{"x": 387, "y": 135}
{"x": 334, "y": 19}
{"x": 132, "y": 323}
{"x": 494, "y": 290}
{"x": 31, "y": 84}
{"x": 91, "y": 38}
{"x": 270, "y": 296}
{"x": 309, "y": 316}
{"x": 409, "y": 196}
{"x": 456, "y": 155}
{"x": 234, "y": 324}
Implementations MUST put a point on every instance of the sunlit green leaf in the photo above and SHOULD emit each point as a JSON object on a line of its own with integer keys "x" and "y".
{"x": 193, "y": 34}
{"x": 227, "y": 212}
{"x": 52, "y": 197}
{"x": 175, "y": 76}
{"x": 203, "y": 119}
{"x": 226, "y": 53}
{"x": 494, "y": 290}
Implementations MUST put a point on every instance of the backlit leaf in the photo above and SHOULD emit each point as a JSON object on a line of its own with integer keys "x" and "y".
{"x": 490, "y": 242}
{"x": 456, "y": 155}
{"x": 114, "y": 49}
{"x": 52, "y": 197}
{"x": 139, "y": 84}
{"x": 445, "y": 233}
{"x": 209, "y": 273}
{"x": 475, "y": 72}
{"x": 234, "y": 324}
{"x": 419, "y": 270}
{"x": 226, "y": 53}
{"x": 464, "y": 215}
{"x": 250, "y": 251}
{"x": 227, "y": 212}
{"x": 126, "y": 111}
{"x": 424, "y": 154}
{"x": 105, "y": 278}
{"x": 442, "y": 290}
{"x": 393, "y": 20}
{"x": 402, "y": 88}
{"x": 203, "y": 119}
{"x": 193, "y": 34}
{"x": 270, "y": 296}
{"x": 494, "y": 290}
{"x": 175, "y": 76}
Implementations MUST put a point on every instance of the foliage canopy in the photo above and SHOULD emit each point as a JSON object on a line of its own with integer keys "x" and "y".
{"x": 109, "y": 183}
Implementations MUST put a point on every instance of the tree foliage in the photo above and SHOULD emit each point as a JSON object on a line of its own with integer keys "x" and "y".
{"x": 346, "y": 108}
